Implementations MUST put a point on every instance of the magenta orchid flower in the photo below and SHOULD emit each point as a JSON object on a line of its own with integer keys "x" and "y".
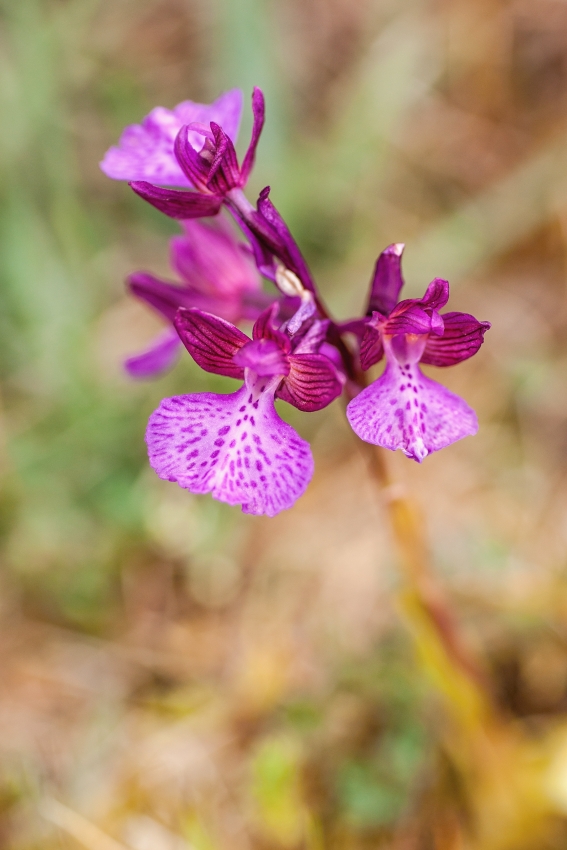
{"x": 211, "y": 166}
{"x": 403, "y": 409}
{"x": 236, "y": 446}
{"x": 146, "y": 151}
{"x": 218, "y": 275}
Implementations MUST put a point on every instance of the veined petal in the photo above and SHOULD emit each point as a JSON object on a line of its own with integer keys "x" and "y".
{"x": 411, "y": 320}
{"x": 371, "y": 347}
{"x": 405, "y": 410}
{"x": 387, "y": 280}
{"x": 194, "y": 166}
{"x": 158, "y": 358}
{"x": 436, "y": 294}
{"x": 258, "y": 110}
{"x": 177, "y": 204}
{"x": 284, "y": 246}
{"x": 212, "y": 342}
{"x": 145, "y": 151}
{"x": 462, "y": 338}
{"x": 265, "y": 328}
{"x": 233, "y": 446}
{"x": 224, "y": 171}
{"x": 419, "y": 315}
{"x": 313, "y": 382}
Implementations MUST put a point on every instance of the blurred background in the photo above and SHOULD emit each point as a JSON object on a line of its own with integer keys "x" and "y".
{"x": 178, "y": 676}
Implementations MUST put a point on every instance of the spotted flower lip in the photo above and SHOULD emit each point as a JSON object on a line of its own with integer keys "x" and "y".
{"x": 212, "y": 168}
{"x": 403, "y": 409}
{"x": 146, "y": 151}
{"x": 218, "y": 276}
{"x": 235, "y": 446}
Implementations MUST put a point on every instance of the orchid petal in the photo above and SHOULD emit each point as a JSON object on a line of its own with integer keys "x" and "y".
{"x": 233, "y": 446}
{"x": 264, "y": 357}
{"x": 210, "y": 258}
{"x": 264, "y": 328}
{"x": 313, "y": 382}
{"x": 462, "y": 338}
{"x": 177, "y": 204}
{"x": 405, "y": 410}
{"x": 436, "y": 294}
{"x": 263, "y": 257}
{"x": 409, "y": 319}
{"x": 211, "y": 341}
{"x": 311, "y": 341}
{"x": 284, "y": 245}
{"x": 226, "y": 111}
{"x": 371, "y": 348}
{"x": 157, "y": 358}
{"x": 164, "y": 297}
{"x": 306, "y": 310}
{"x": 387, "y": 280}
{"x": 145, "y": 151}
{"x": 224, "y": 171}
{"x": 258, "y": 109}
{"x": 194, "y": 166}
{"x": 419, "y": 315}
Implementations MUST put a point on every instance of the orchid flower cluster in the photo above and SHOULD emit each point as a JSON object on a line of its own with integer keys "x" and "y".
{"x": 235, "y": 445}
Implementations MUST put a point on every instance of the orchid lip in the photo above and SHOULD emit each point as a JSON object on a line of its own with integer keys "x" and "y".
{"x": 260, "y": 384}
